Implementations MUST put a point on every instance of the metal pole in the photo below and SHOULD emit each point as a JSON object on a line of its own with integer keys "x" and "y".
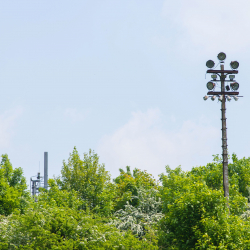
{"x": 46, "y": 170}
{"x": 224, "y": 138}
{"x": 33, "y": 188}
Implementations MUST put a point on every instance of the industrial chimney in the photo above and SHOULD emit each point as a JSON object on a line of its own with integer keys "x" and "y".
{"x": 46, "y": 170}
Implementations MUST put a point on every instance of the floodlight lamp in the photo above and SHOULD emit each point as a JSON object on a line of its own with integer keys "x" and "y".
{"x": 205, "y": 97}
{"x": 210, "y": 85}
{"x": 229, "y": 98}
{"x": 220, "y": 98}
{"x": 210, "y": 64}
{"x": 236, "y": 98}
{"x": 234, "y": 65}
{"x": 227, "y": 88}
{"x": 231, "y": 77}
{"x": 213, "y": 97}
{"x": 214, "y": 76}
{"x": 221, "y": 56}
{"x": 234, "y": 85}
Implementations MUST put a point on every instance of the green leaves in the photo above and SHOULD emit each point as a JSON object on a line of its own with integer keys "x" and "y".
{"x": 13, "y": 193}
{"x": 55, "y": 197}
{"x": 196, "y": 212}
{"x": 89, "y": 179}
{"x": 127, "y": 186}
{"x": 84, "y": 209}
{"x": 141, "y": 218}
{"x": 183, "y": 217}
{"x": 63, "y": 228}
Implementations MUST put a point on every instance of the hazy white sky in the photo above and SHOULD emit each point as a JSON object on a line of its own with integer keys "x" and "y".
{"x": 124, "y": 78}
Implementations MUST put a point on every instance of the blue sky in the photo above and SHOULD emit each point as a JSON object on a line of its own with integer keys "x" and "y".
{"x": 124, "y": 78}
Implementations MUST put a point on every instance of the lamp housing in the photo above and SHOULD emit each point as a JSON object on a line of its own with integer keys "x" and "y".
{"x": 234, "y": 65}
{"x": 221, "y": 56}
{"x": 210, "y": 64}
{"x": 229, "y": 98}
{"x": 236, "y": 98}
{"x": 210, "y": 85}
{"x": 234, "y": 86}
{"x": 214, "y": 76}
{"x": 220, "y": 98}
{"x": 205, "y": 97}
{"x": 213, "y": 97}
{"x": 231, "y": 77}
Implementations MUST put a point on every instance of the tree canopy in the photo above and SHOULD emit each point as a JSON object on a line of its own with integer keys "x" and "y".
{"x": 13, "y": 189}
{"x": 84, "y": 209}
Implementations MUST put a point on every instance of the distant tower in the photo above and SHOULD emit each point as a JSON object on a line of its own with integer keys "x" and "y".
{"x": 35, "y": 183}
{"x": 39, "y": 181}
{"x": 46, "y": 170}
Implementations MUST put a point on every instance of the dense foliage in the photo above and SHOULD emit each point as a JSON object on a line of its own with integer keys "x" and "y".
{"x": 89, "y": 179}
{"x": 13, "y": 193}
{"x": 128, "y": 184}
{"x": 197, "y": 216}
{"x": 85, "y": 209}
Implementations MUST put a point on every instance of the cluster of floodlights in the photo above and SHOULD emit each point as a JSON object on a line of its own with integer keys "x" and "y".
{"x": 233, "y": 85}
{"x": 222, "y": 56}
{"x": 220, "y": 98}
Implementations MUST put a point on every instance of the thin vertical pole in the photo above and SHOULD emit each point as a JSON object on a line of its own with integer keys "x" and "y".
{"x": 33, "y": 188}
{"x": 46, "y": 170}
{"x": 224, "y": 138}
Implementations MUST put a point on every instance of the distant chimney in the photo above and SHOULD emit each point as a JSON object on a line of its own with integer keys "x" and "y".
{"x": 46, "y": 170}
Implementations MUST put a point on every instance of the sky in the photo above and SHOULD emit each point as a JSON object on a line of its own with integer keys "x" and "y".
{"x": 123, "y": 78}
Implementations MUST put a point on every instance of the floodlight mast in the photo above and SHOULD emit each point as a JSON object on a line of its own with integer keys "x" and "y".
{"x": 224, "y": 95}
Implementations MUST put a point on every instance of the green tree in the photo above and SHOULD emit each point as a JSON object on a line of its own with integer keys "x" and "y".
{"x": 55, "y": 197}
{"x": 90, "y": 179}
{"x": 143, "y": 219}
{"x": 13, "y": 193}
{"x": 240, "y": 168}
{"x": 238, "y": 171}
{"x": 196, "y": 213}
{"x": 127, "y": 185}
{"x": 53, "y": 223}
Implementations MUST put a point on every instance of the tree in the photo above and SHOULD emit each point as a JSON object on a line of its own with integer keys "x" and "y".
{"x": 90, "y": 179}
{"x": 127, "y": 185}
{"x": 143, "y": 219}
{"x": 55, "y": 197}
{"x": 238, "y": 171}
{"x": 55, "y": 223}
{"x": 240, "y": 168}
{"x": 13, "y": 193}
{"x": 196, "y": 213}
